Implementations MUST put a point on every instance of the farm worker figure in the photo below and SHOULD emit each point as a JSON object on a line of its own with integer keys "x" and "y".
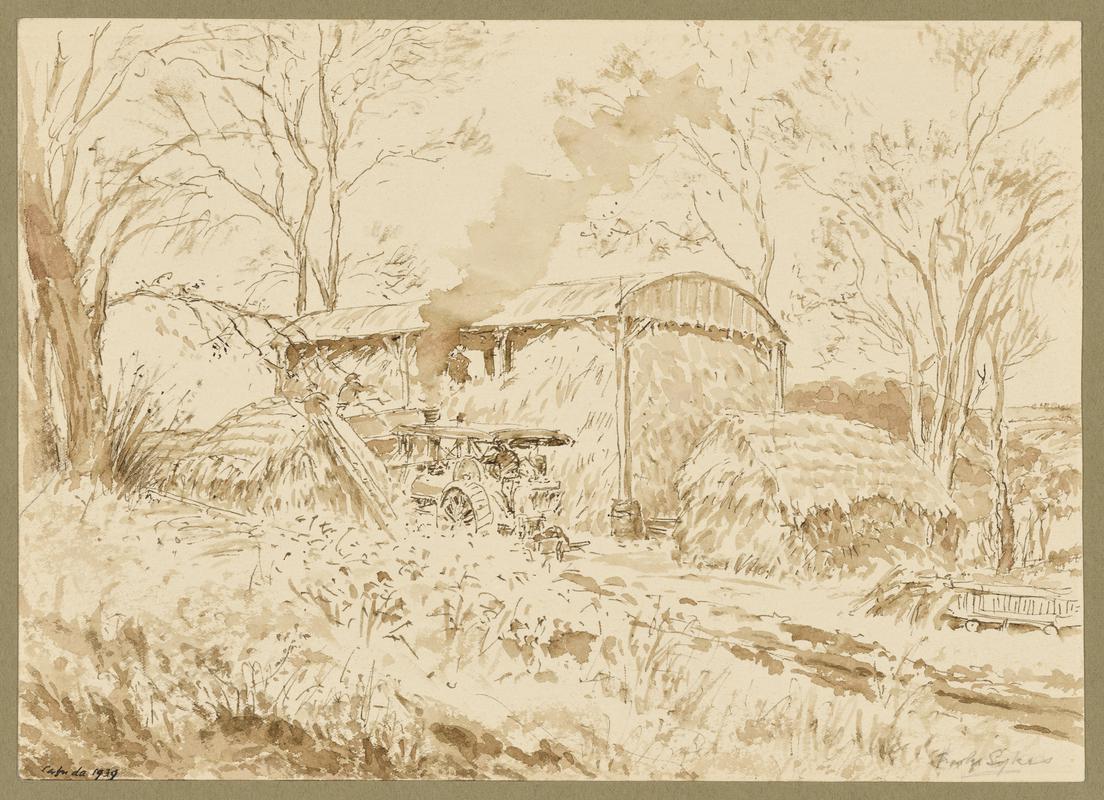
{"x": 503, "y": 461}
{"x": 350, "y": 390}
{"x": 355, "y": 393}
{"x": 457, "y": 366}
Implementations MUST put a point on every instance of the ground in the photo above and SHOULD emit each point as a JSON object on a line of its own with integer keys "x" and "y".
{"x": 210, "y": 645}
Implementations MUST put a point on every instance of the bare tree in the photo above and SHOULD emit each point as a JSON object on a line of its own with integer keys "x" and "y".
{"x": 81, "y": 203}
{"x": 367, "y": 71}
{"x": 291, "y": 110}
{"x": 1016, "y": 333}
{"x": 864, "y": 289}
{"x": 955, "y": 205}
{"x": 263, "y": 86}
{"x": 775, "y": 93}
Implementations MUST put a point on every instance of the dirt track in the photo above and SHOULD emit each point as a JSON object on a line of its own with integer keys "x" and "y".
{"x": 837, "y": 659}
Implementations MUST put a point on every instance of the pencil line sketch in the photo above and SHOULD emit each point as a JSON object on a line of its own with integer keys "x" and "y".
{"x": 559, "y": 400}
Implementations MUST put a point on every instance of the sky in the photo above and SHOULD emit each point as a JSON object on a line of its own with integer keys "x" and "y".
{"x": 432, "y": 205}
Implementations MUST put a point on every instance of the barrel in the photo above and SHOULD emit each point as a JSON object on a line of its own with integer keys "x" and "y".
{"x": 626, "y": 520}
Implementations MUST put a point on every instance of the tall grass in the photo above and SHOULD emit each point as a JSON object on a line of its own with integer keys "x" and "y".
{"x": 139, "y": 424}
{"x": 321, "y": 652}
{"x": 158, "y": 710}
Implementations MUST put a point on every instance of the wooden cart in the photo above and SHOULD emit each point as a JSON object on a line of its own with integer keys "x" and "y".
{"x": 1048, "y": 609}
{"x": 553, "y": 541}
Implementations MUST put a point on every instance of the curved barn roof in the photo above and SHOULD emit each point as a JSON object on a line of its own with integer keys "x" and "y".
{"x": 690, "y": 298}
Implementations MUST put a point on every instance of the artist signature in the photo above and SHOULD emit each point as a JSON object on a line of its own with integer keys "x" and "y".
{"x": 96, "y": 774}
{"x": 995, "y": 762}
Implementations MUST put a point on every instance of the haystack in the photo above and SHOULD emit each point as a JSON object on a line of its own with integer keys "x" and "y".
{"x": 283, "y": 457}
{"x": 809, "y": 493}
{"x": 564, "y": 379}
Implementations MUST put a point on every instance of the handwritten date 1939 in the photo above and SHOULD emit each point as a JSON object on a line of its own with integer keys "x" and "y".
{"x": 96, "y": 774}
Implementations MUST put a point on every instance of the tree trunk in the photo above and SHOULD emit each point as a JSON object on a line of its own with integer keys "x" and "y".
{"x": 766, "y": 265}
{"x": 40, "y": 452}
{"x": 954, "y": 396}
{"x": 1005, "y": 523}
{"x": 302, "y": 267}
{"x": 329, "y": 291}
{"x": 66, "y": 319}
{"x": 299, "y": 240}
{"x": 1006, "y": 528}
{"x": 916, "y": 402}
{"x": 337, "y": 189}
{"x": 98, "y": 320}
{"x": 948, "y": 419}
{"x": 1046, "y": 520}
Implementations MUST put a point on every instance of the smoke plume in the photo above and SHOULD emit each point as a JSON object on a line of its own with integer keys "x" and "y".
{"x": 511, "y": 252}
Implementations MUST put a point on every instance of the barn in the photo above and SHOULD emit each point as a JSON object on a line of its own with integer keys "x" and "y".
{"x": 634, "y": 368}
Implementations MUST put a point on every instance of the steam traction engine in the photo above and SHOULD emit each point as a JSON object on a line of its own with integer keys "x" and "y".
{"x": 480, "y": 479}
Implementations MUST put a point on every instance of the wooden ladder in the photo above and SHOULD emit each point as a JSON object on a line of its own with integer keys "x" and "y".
{"x": 347, "y": 446}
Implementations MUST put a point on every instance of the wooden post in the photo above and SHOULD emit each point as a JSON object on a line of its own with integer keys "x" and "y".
{"x": 626, "y": 516}
{"x": 404, "y": 368}
{"x": 778, "y": 367}
{"x": 280, "y": 361}
{"x": 502, "y": 352}
{"x": 623, "y": 411}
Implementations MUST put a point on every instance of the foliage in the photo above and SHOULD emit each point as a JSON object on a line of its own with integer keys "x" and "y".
{"x": 237, "y": 648}
{"x": 777, "y": 94}
{"x": 933, "y": 217}
{"x": 809, "y": 495}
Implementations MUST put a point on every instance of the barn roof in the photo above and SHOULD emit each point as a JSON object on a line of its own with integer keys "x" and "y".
{"x": 363, "y": 321}
{"x": 688, "y": 298}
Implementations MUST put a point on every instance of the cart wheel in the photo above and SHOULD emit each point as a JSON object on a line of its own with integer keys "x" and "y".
{"x": 972, "y": 625}
{"x": 1050, "y": 630}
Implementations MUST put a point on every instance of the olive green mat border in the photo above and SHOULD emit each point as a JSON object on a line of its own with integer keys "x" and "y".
{"x": 1092, "y": 17}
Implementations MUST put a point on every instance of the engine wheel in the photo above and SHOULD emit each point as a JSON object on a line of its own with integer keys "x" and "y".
{"x": 972, "y": 625}
{"x": 461, "y": 510}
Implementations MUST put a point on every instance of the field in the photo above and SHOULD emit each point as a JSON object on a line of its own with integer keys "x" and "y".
{"x": 223, "y": 646}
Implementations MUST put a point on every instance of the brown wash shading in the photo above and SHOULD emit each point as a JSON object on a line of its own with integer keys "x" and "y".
{"x": 490, "y": 400}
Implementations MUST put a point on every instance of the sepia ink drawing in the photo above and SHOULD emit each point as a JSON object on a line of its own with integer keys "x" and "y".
{"x": 550, "y": 400}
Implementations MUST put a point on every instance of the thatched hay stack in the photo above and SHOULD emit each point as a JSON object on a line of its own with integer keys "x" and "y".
{"x": 809, "y": 493}
{"x": 278, "y": 457}
{"x": 564, "y": 379}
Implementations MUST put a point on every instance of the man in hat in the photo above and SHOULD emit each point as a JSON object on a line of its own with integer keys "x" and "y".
{"x": 458, "y": 366}
{"x": 354, "y": 393}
